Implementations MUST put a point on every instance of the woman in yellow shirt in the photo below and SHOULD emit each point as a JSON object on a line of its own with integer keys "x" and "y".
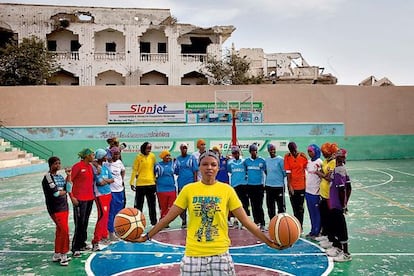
{"x": 143, "y": 180}
{"x": 208, "y": 202}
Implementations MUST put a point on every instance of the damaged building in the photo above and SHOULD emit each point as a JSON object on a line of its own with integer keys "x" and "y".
{"x": 116, "y": 46}
{"x": 284, "y": 68}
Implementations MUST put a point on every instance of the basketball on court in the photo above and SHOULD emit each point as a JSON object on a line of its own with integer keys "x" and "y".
{"x": 284, "y": 229}
{"x": 129, "y": 224}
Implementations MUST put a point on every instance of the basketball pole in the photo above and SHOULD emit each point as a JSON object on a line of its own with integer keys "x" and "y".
{"x": 233, "y": 128}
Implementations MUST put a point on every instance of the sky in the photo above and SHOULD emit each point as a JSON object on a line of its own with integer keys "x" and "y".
{"x": 351, "y": 39}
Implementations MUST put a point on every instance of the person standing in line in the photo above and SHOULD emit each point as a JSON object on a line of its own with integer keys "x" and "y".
{"x": 165, "y": 182}
{"x": 223, "y": 174}
{"x": 339, "y": 193}
{"x": 143, "y": 181}
{"x": 186, "y": 167}
{"x": 312, "y": 197}
{"x": 328, "y": 165}
{"x": 103, "y": 179}
{"x": 201, "y": 146}
{"x": 82, "y": 198}
{"x": 237, "y": 170}
{"x": 207, "y": 241}
{"x": 255, "y": 168}
{"x": 275, "y": 182}
{"x": 295, "y": 166}
{"x": 55, "y": 188}
{"x": 117, "y": 169}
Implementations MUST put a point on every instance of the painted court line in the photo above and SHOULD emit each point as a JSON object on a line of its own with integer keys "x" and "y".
{"x": 397, "y": 171}
{"x": 104, "y": 252}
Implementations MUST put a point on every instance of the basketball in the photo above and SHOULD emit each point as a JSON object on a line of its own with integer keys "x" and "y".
{"x": 129, "y": 224}
{"x": 284, "y": 229}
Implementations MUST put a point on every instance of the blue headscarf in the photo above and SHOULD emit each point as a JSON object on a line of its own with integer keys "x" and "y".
{"x": 314, "y": 148}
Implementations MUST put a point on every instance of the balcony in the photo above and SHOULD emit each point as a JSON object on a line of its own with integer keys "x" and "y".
{"x": 148, "y": 57}
{"x": 194, "y": 58}
{"x": 65, "y": 55}
{"x": 109, "y": 56}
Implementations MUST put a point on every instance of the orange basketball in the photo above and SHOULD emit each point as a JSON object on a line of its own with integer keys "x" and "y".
{"x": 284, "y": 229}
{"x": 129, "y": 224}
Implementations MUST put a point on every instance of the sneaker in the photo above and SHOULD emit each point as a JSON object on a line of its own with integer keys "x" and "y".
{"x": 321, "y": 238}
{"x": 342, "y": 257}
{"x": 64, "y": 261}
{"x": 325, "y": 244}
{"x": 106, "y": 241}
{"x": 113, "y": 237}
{"x": 86, "y": 248}
{"x": 184, "y": 225}
{"x": 76, "y": 254}
{"x": 261, "y": 227}
{"x": 95, "y": 247}
{"x": 333, "y": 252}
{"x": 56, "y": 257}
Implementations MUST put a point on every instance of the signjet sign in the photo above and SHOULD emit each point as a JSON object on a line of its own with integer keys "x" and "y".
{"x": 121, "y": 113}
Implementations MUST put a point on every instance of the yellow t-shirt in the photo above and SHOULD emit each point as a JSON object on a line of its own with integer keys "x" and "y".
{"x": 326, "y": 166}
{"x": 143, "y": 167}
{"x": 208, "y": 208}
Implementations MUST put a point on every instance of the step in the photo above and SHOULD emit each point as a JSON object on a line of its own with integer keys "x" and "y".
{"x": 14, "y": 163}
{"x": 9, "y": 155}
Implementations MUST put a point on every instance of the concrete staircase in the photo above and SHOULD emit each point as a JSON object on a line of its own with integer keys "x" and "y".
{"x": 14, "y": 161}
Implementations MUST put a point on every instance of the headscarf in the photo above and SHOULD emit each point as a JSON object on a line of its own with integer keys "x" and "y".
{"x": 209, "y": 153}
{"x": 316, "y": 150}
{"x": 164, "y": 153}
{"x": 235, "y": 149}
{"x": 216, "y": 148}
{"x": 182, "y": 145}
{"x": 292, "y": 146}
{"x": 85, "y": 152}
{"x": 100, "y": 153}
{"x": 253, "y": 147}
{"x": 270, "y": 147}
{"x": 329, "y": 148}
{"x": 144, "y": 147}
{"x": 341, "y": 153}
{"x": 199, "y": 142}
{"x": 114, "y": 150}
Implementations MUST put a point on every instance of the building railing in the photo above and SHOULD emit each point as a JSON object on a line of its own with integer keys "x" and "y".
{"x": 22, "y": 142}
{"x": 65, "y": 55}
{"x": 109, "y": 56}
{"x": 154, "y": 57}
{"x": 194, "y": 58}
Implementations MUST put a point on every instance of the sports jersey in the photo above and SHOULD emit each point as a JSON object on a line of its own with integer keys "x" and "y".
{"x": 82, "y": 181}
{"x": 324, "y": 187}
{"x": 339, "y": 181}
{"x": 223, "y": 174}
{"x": 143, "y": 167}
{"x": 313, "y": 180}
{"x": 208, "y": 207}
{"x": 164, "y": 173}
{"x": 51, "y": 185}
{"x": 97, "y": 187}
{"x": 237, "y": 171}
{"x": 116, "y": 169}
{"x": 275, "y": 172}
{"x": 196, "y": 156}
{"x": 255, "y": 169}
{"x": 185, "y": 167}
{"x": 296, "y": 167}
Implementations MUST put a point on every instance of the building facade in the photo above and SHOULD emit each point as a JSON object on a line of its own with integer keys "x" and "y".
{"x": 116, "y": 46}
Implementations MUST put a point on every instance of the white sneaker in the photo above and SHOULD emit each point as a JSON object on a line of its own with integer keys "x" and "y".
{"x": 325, "y": 244}
{"x": 95, "y": 247}
{"x": 342, "y": 257}
{"x": 333, "y": 252}
{"x": 64, "y": 261}
{"x": 56, "y": 257}
{"x": 113, "y": 237}
{"x": 321, "y": 238}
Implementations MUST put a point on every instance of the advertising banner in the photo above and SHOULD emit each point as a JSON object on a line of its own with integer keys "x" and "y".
{"x": 121, "y": 113}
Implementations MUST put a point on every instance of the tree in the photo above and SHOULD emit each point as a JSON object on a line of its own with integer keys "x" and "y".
{"x": 27, "y": 63}
{"x": 231, "y": 69}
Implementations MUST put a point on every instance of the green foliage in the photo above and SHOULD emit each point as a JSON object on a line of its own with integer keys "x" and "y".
{"x": 231, "y": 69}
{"x": 28, "y": 63}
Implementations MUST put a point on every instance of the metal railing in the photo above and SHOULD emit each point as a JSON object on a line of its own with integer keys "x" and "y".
{"x": 22, "y": 142}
